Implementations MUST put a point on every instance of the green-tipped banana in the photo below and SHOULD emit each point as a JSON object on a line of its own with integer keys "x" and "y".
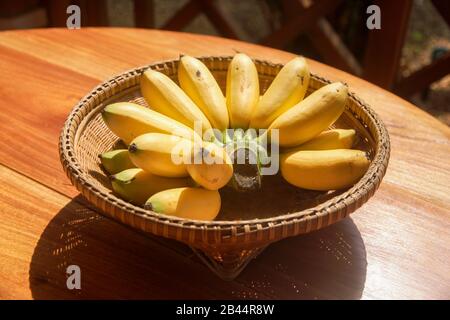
{"x": 136, "y": 185}
{"x": 188, "y": 203}
{"x": 116, "y": 160}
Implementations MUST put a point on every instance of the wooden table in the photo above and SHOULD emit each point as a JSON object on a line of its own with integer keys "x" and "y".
{"x": 395, "y": 246}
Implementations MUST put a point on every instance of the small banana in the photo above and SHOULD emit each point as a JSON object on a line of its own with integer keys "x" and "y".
{"x": 116, "y": 160}
{"x": 327, "y": 140}
{"x": 210, "y": 166}
{"x": 324, "y": 169}
{"x": 136, "y": 185}
{"x": 166, "y": 97}
{"x": 157, "y": 152}
{"x": 311, "y": 116}
{"x": 188, "y": 203}
{"x": 287, "y": 89}
{"x": 129, "y": 120}
{"x": 242, "y": 90}
{"x": 199, "y": 84}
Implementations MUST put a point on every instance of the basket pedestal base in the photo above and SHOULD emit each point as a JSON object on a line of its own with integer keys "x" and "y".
{"x": 230, "y": 264}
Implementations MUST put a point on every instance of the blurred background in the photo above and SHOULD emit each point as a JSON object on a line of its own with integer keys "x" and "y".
{"x": 409, "y": 55}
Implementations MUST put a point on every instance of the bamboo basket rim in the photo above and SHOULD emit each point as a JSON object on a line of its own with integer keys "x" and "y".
{"x": 366, "y": 185}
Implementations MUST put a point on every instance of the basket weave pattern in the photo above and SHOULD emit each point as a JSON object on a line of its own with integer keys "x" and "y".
{"x": 225, "y": 245}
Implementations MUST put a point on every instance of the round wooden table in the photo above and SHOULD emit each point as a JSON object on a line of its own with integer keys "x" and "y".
{"x": 395, "y": 246}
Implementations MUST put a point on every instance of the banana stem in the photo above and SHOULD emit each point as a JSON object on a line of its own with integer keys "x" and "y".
{"x": 247, "y": 156}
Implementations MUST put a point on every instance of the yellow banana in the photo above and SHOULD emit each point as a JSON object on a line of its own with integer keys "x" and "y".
{"x": 214, "y": 168}
{"x": 166, "y": 97}
{"x": 199, "y": 84}
{"x": 287, "y": 89}
{"x": 136, "y": 185}
{"x": 324, "y": 169}
{"x": 311, "y": 116}
{"x": 116, "y": 160}
{"x": 161, "y": 154}
{"x": 242, "y": 90}
{"x": 129, "y": 120}
{"x": 188, "y": 203}
{"x": 327, "y": 140}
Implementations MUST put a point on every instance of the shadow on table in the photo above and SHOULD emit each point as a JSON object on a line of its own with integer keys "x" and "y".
{"x": 119, "y": 263}
{"x": 326, "y": 264}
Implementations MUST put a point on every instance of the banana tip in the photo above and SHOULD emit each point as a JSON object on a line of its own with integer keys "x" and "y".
{"x": 148, "y": 206}
{"x": 132, "y": 148}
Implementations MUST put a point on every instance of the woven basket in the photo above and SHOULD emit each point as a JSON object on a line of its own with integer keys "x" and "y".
{"x": 248, "y": 222}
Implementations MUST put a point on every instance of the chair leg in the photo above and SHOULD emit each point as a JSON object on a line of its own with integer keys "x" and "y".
{"x": 419, "y": 80}
{"x": 384, "y": 47}
{"x": 298, "y": 24}
{"x": 95, "y": 12}
{"x": 217, "y": 19}
{"x": 183, "y": 16}
{"x": 325, "y": 40}
{"x": 56, "y": 12}
{"x": 144, "y": 14}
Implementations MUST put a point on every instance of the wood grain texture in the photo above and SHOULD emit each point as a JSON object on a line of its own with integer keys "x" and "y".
{"x": 393, "y": 247}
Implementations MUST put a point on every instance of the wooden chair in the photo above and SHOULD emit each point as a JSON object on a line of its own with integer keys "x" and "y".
{"x": 194, "y": 7}
{"x": 384, "y": 48}
{"x": 144, "y": 14}
{"x": 381, "y": 60}
{"x": 308, "y": 18}
{"x": 22, "y": 14}
{"x": 437, "y": 69}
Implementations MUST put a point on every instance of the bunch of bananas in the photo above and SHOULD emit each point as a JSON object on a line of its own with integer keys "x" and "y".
{"x": 159, "y": 169}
